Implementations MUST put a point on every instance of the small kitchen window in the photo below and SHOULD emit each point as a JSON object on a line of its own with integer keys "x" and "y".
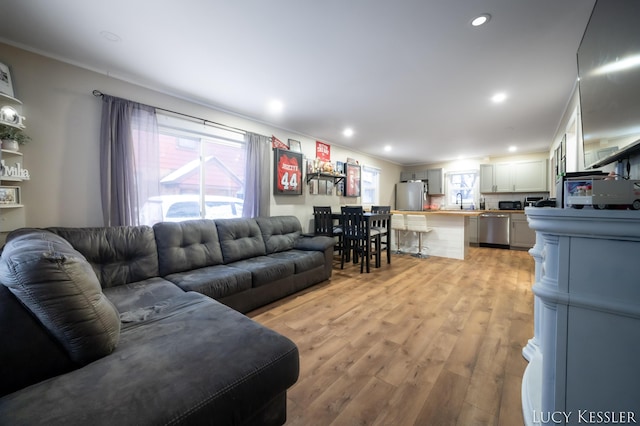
{"x": 462, "y": 186}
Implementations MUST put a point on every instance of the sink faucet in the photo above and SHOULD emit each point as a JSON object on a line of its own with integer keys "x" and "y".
{"x": 460, "y": 194}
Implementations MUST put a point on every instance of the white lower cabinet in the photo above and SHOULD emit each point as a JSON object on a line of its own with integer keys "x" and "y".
{"x": 522, "y": 236}
{"x": 473, "y": 229}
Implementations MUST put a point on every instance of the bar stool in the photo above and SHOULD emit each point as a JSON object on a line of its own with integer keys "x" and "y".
{"x": 398, "y": 223}
{"x": 418, "y": 223}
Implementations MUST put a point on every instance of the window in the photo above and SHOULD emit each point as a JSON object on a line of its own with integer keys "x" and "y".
{"x": 201, "y": 172}
{"x": 461, "y": 185}
{"x": 370, "y": 185}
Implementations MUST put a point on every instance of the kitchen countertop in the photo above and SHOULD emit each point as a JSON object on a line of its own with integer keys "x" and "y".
{"x": 456, "y": 212}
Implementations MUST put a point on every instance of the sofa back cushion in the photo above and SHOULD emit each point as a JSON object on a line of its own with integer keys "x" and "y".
{"x": 188, "y": 245}
{"x": 119, "y": 255}
{"x": 279, "y": 233}
{"x": 239, "y": 239}
{"x": 59, "y": 287}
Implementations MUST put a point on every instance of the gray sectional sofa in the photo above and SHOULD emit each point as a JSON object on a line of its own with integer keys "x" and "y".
{"x": 144, "y": 326}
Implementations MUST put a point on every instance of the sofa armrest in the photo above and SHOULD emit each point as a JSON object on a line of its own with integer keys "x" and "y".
{"x": 319, "y": 243}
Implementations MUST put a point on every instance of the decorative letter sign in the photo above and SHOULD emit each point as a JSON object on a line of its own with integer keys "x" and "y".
{"x": 15, "y": 171}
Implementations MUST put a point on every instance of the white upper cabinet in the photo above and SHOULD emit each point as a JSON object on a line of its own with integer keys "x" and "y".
{"x": 523, "y": 176}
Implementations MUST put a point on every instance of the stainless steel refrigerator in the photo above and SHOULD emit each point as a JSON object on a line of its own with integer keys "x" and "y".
{"x": 411, "y": 196}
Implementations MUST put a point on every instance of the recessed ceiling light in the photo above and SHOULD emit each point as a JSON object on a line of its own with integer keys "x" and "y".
{"x": 108, "y": 35}
{"x": 499, "y": 97}
{"x": 275, "y": 106}
{"x": 480, "y": 20}
{"x": 348, "y": 132}
{"x": 513, "y": 148}
{"x": 387, "y": 148}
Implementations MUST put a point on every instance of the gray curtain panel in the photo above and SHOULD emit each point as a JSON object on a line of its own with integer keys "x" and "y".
{"x": 257, "y": 184}
{"x": 128, "y": 159}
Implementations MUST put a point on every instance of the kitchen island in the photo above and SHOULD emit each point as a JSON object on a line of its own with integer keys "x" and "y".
{"x": 449, "y": 236}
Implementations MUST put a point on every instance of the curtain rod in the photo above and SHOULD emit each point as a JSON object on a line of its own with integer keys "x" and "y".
{"x": 98, "y": 93}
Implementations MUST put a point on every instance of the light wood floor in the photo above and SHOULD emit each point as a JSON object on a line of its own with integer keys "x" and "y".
{"x": 419, "y": 342}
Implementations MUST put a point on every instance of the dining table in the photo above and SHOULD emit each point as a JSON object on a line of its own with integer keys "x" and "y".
{"x": 377, "y": 220}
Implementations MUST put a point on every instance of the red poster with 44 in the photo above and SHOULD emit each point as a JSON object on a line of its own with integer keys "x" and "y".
{"x": 288, "y": 173}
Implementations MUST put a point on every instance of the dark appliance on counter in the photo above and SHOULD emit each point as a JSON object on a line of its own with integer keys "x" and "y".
{"x": 531, "y": 201}
{"x": 510, "y": 205}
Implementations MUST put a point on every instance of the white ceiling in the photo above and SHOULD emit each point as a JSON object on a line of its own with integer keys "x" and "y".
{"x": 412, "y": 74}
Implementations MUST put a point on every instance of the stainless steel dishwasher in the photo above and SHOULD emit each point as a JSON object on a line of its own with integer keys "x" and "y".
{"x": 493, "y": 230}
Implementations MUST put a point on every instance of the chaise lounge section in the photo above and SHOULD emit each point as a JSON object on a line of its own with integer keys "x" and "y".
{"x": 120, "y": 326}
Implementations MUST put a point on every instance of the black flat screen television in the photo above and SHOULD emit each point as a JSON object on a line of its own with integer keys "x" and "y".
{"x": 609, "y": 82}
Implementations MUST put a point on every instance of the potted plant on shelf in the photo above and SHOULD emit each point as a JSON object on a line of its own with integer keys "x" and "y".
{"x": 12, "y": 137}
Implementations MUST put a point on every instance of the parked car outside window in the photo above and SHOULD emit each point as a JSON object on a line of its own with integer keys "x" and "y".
{"x": 177, "y": 208}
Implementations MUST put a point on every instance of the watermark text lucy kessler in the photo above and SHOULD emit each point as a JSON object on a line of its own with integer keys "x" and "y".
{"x": 584, "y": 417}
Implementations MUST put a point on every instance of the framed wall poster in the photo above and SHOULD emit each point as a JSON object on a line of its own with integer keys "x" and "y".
{"x": 294, "y": 145}
{"x": 352, "y": 186}
{"x": 323, "y": 151}
{"x": 6, "y": 86}
{"x": 287, "y": 172}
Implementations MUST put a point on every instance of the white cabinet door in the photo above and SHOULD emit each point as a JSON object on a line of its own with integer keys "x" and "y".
{"x": 406, "y": 176}
{"x": 420, "y": 175}
{"x": 434, "y": 176}
{"x": 530, "y": 176}
{"x": 521, "y": 235}
{"x": 502, "y": 177}
{"x": 473, "y": 229}
{"x": 486, "y": 178}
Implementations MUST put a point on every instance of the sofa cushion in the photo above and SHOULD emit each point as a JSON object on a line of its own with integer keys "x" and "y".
{"x": 188, "y": 245}
{"x": 303, "y": 260}
{"x": 59, "y": 287}
{"x": 279, "y": 233}
{"x": 135, "y": 300}
{"x": 214, "y": 281}
{"x": 195, "y": 362}
{"x": 119, "y": 255}
{"x": 265, "y": 270}
{"x": 239, "y": 239}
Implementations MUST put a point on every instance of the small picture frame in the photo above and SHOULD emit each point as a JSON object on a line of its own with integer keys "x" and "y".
{"x": 352, "y": 185}
{"x": 6, "y": 85}
{"x": 9, "y": 195}
{"x": 294, "y": 145}
{"x": 287, "y": 172}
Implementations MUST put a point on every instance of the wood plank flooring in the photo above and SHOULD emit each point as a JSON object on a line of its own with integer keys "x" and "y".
{"x": 419, "y": 342}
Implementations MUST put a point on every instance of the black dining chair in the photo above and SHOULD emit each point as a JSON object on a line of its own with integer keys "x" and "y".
{"x": 356, "y": 239}
{"x": 323, "y": 224}
{"x": 382, "y": 227}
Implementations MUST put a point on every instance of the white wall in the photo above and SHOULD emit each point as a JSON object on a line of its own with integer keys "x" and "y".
{"x": 63, "y": 120}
